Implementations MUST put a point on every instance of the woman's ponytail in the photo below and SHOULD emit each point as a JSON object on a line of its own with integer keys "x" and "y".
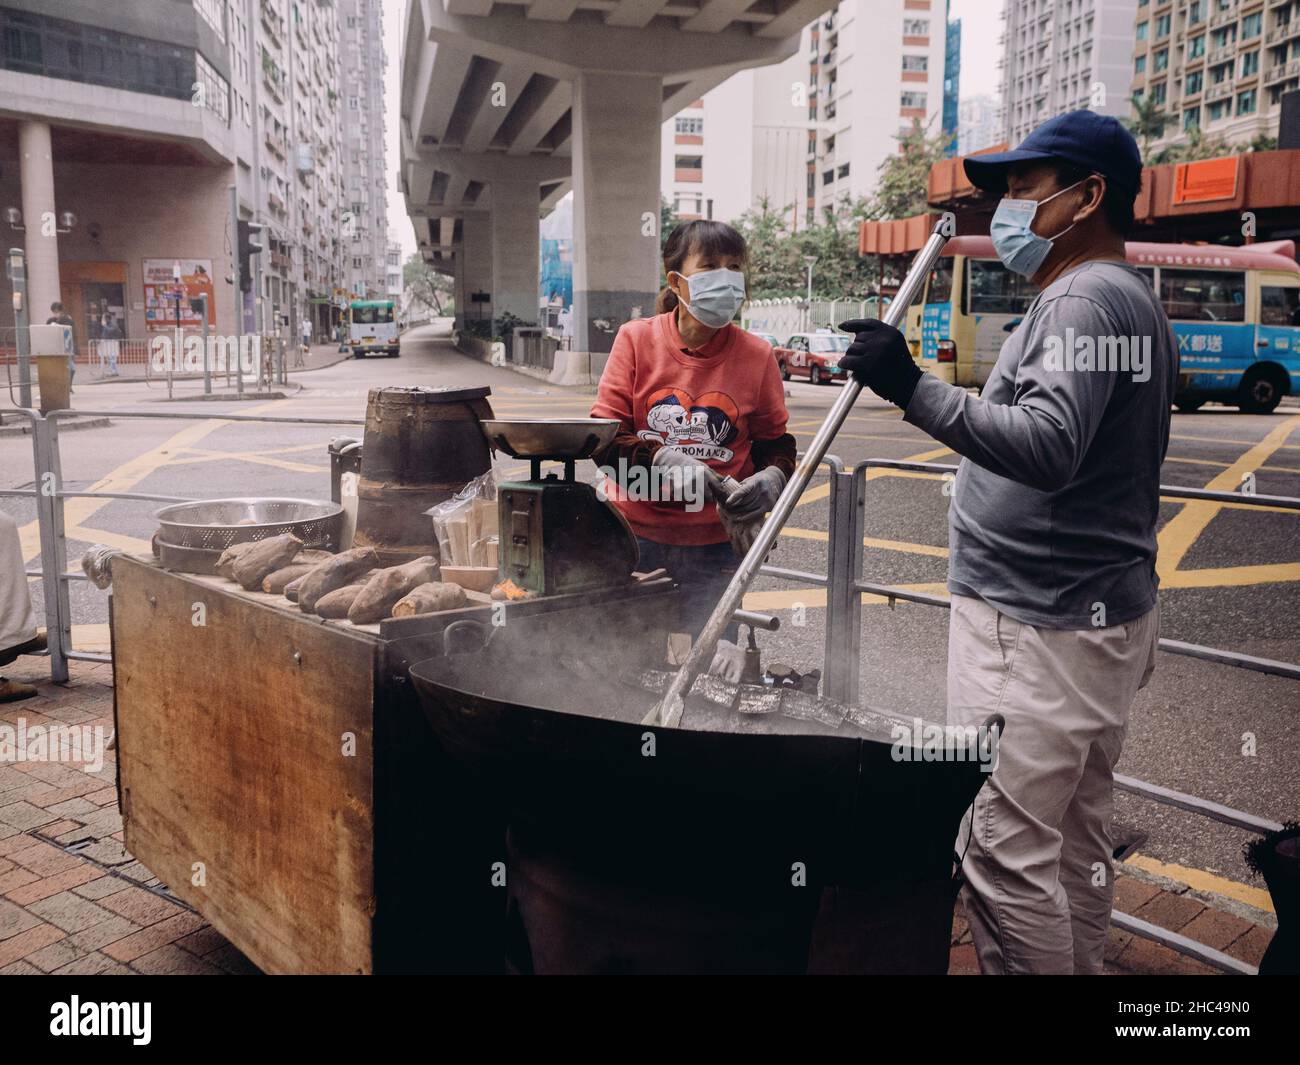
{"x": 666, "y": 300}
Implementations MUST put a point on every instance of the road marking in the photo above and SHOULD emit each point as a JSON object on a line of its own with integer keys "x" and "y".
{"x": 198, "y": 454}
{"x": 1229, "y": 440}
{"x": 128, "y": 475}
{"x": 1224, "y": 465}
{"x": 1200, "y": 880}
{"x": 1185, "y": 527}
{"x": 867, "y": 541}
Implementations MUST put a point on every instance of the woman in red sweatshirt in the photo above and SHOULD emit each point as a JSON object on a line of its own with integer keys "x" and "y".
{"x": 699, "y": 399}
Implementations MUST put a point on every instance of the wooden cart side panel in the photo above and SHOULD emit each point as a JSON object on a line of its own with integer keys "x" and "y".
{"x": 231, "y": 749}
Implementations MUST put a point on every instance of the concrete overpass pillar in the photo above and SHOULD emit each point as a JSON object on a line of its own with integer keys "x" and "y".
{"x": 476, "y": 274}
{"x": 458, "y": 285}
{"x": 36, "y": 173}
{"x": 616, "y": 136}
{"x": 515, "y": 248}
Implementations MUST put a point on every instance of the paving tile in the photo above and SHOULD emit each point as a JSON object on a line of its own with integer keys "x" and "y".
{"x": 1215, "y": 928}
{"x": 44, "y": 860}
{"x": 72, "y": 807}
{"x": 95, "y": 965}
{"x": 52, "y": 885}
{"x": 96, "y": 937}
{"x": 70, "y": 912}
{"x": 142, "y": 907}
{"x": 1169, "y": 910}
{"x": 1154, "y": 959}
{"x": 204, "y": 941}
{"x": 20, "y": 968}
{"x": 24, "y": 816}
{"x": 1250, "y": 947}
{"x": 16, "y": 878}
{"x": 15, "y": 919}
{"x": 58, "y": 954}
{"x": 28, "y": 942}
{"x": 172, "y": 961}
{"x": 105, "y": 885}
{"x": 150, "y": 939}
{"x": 1131, "y": 894}
{"x": 962, "y": 962}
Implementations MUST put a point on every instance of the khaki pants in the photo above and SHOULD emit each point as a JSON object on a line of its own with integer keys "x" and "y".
{"x": 17, "y": 620}
{"x": 1039, "y": 883}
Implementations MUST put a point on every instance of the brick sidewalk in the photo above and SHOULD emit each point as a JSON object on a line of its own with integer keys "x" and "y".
{"x": 92, "y": 908}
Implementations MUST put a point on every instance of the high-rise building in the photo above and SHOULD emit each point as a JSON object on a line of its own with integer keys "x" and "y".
{"x": 875, "y": 68}
{"x": 811, "y": 132}
{"x": 133, "y": 120}
{"x": 1061, "y": 55}
{"x": 1218, "y": 65}
{"x": 364, "y": 202}
{"x": 977, "y": 124}
{"x": 952, "y": 83}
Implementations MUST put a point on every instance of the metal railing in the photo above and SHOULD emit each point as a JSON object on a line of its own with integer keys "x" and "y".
{"x": 843, "y": 582}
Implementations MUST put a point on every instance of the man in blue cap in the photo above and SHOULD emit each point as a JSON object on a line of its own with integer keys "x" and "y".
{"x": 1052, "y": 536}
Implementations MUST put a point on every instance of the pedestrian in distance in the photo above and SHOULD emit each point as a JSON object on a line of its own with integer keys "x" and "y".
{"x": 1052, "y": 536}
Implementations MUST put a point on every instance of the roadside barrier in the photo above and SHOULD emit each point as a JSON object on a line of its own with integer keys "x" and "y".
{"x": 843, "y": 582}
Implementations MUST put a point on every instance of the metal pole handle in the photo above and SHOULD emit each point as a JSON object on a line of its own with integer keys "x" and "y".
{"x": 668, "y": 711}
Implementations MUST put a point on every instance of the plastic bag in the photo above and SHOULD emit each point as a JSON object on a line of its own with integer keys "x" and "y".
{"x": 465, "y": 526}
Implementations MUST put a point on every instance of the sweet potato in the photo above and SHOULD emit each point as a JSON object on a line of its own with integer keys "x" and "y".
{"x": 226, "y": 560}
{"x": 386, "y": 586}
{"x": 344, "y": 568}
{"x": 265, "y": 557}
{"x": 429, "y": 598}
{"x": 291, "y": 589}
{"x": 303, "y": 563}
{"x": 335, "y": 604}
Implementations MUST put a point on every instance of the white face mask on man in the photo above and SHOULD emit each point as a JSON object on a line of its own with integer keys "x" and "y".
{"x": 716, "y": 296}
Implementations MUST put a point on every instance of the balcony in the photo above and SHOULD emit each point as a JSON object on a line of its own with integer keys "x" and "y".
{"x": 1284, "y": 32}
{"x": 1221, "y": 55}
{"x": 1282, "y": 71}
{"x": 1220, "y": 91}
{"x": 1221, "y": 18}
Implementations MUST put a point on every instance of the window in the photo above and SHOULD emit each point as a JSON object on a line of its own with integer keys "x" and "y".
{"x": 690, "y": 162}
{"x": 916, "y": 62}
{"x": 1250, "y": 63}
{"x": 1196, "y": 47}
{"x": 826, "y": 343}
{"x": 1192, "y": 118}
{"x": 1203, "y": 295}
{"x": 940, "y": 284}
{"x": 1278, "y": 305}
{"x": 1218, "y": 109}
{"x": 372, "y": 314}
{"x": 843, "y": 171}
{"x": 913, "y": 100}
{"x": 1162, "y": 26}
{"x": 1139, "y": 64}
{"x": 1247, "y": 102}
{"x": 693, "y": 127}
{"x": 1158, "y": 92}
{"x": 1162, "y": 60}
{"x": 1251, "y": 25}
{"x": 1142, "y": 30}
{"x": 993, "y": 289}
{"x": 916, "y": 27}
{"x": 1192, "y": 84}
{"x": 1195, "y": 13}
{"x": 828, "y": 176}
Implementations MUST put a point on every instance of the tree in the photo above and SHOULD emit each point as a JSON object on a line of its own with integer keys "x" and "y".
{"x": 428, "y": 287}
{"x": 1195, "y": 146}
{"x": 1148, "y": 123}
{"x": 778, "y": 265}
{"x": 904, "y": 177}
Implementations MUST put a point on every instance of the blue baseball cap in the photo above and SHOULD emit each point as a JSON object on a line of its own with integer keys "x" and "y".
{"x": 1097, "y": 143}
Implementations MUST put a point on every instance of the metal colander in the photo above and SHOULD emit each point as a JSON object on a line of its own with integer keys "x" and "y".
{"x": 215, "y": 524}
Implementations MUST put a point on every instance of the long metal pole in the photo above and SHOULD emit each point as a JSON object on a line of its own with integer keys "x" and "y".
{"x": 207, "y": 365}
{"x": 22, "y": 338}
{"x": 669, "y": 710}
{"x": 239, "y": 294}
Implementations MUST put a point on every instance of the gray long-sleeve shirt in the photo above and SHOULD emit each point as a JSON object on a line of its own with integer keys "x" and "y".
{"x": 1053, "y": 516}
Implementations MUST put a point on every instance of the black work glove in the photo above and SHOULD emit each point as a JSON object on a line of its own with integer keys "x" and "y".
{"x": 879, "y": 358}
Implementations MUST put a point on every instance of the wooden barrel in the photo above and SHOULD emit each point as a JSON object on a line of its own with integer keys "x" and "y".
{"x": 421, "y": 446}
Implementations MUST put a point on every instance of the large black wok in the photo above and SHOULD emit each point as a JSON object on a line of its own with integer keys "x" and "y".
{"x": 700, "y": 848}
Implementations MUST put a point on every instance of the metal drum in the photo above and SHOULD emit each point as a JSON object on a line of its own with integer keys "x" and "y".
{"x": 421, "y": 446}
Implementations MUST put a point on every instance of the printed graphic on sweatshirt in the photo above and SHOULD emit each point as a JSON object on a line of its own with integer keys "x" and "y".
{"x": 702, "y": 428}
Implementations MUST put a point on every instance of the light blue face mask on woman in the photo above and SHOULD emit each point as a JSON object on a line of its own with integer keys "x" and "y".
{"x": 716, "y": 296}
{"x": 1021, "y": 250}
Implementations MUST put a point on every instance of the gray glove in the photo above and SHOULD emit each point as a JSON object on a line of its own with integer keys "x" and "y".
{"x": 741, "y": 533}
{"x": 757, "y": 495}
{"x": 728, "y": 661}
{"x": 671, "y": 458}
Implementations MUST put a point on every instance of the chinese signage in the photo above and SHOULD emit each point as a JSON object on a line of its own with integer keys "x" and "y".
{"x": 161, "y": 290}
{"x": 1206, "y": 180}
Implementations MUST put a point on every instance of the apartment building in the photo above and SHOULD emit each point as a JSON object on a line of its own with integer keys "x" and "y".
{"x": 978, "y": 124}
{"x": 1221, "y": 66}
{"x": 1061, "y": 55}
{"x": 811, "y": 132}
{"x": 132, "y": 120}
{"x": 365, "y": 202}
{"x": 874, "y": 68}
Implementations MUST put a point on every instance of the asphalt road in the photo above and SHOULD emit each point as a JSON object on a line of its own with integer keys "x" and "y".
{"x": 1229, "y": 575}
